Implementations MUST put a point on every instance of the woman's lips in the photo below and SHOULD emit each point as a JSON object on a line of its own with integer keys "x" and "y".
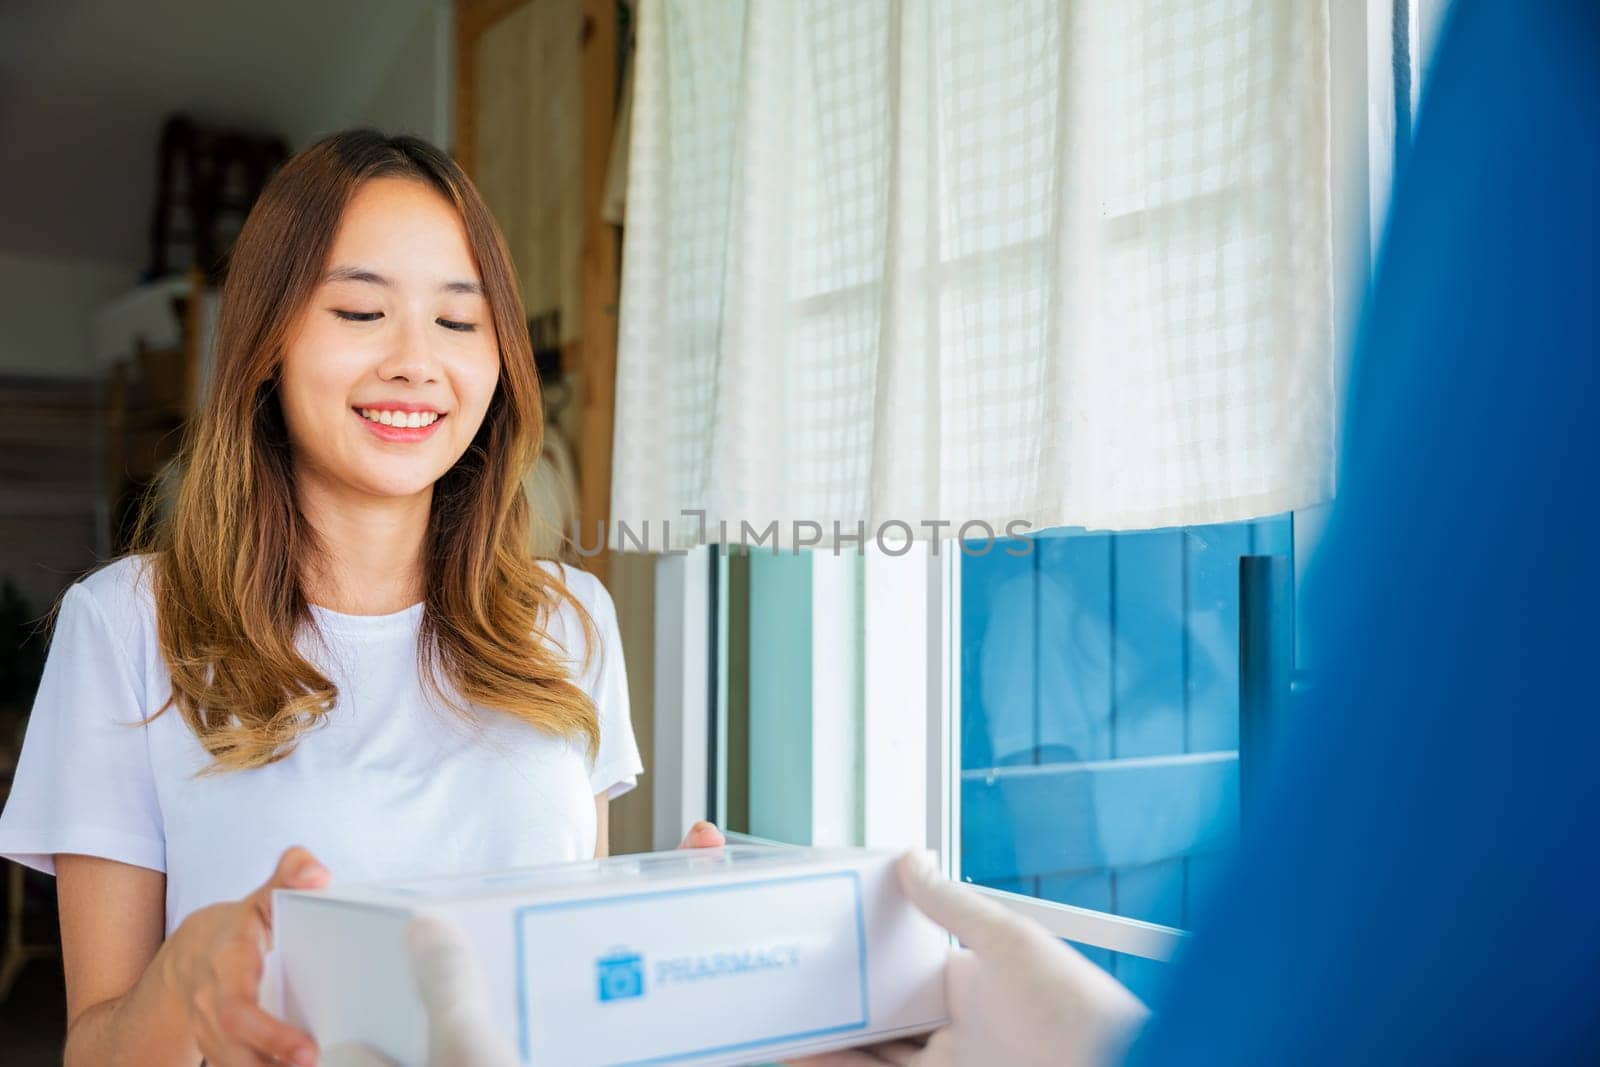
{"x": 398, "y": 434}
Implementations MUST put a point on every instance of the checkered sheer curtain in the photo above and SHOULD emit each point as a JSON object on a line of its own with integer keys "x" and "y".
{"x": 933, "y": 261}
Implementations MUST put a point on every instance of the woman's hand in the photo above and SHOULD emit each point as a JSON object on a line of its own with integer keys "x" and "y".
{"x": 213, "y": 964}
{"x": 703, "y": 835}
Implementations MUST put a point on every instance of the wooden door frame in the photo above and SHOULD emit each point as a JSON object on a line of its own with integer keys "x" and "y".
{"x": 600, "y": 255}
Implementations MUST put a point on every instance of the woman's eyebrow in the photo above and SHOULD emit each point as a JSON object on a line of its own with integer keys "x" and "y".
{"x": 361, "y": 274}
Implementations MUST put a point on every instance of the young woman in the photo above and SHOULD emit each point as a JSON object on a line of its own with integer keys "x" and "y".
{"x": 337, "y": 658}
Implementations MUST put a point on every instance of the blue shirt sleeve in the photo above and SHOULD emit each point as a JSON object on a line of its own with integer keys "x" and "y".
{"x": 1421, "y": 884}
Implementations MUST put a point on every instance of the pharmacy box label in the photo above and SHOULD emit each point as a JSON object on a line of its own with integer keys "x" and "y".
{"x": 782, "y": 958}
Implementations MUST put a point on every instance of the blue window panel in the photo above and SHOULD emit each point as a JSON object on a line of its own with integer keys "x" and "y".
{"x": 1076, "y": 641}
{"x": 999, "y": 667}
{"x": 1146, "y": 978}
{"x": 1121, "y": 793}
{"x": 1147, "y": 623}
{"x": 1091, "y": 891}
{"x": 1273, "y": 537}
{"x": 1154, "y": 893}
{"x": 999, "y": 679}
{"x": 1024, "y": 822}
{"x": 1213, "y": 634}
{"x": 1027, "y": 887}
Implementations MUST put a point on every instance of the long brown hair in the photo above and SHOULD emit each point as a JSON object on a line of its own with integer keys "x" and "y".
{"x": 231, "y": 555}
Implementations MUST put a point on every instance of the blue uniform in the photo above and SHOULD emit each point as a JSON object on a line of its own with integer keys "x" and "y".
{"x": 1422, "y": 882}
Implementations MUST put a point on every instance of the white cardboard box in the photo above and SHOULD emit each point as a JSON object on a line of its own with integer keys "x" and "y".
{"x": 734, "y": 955}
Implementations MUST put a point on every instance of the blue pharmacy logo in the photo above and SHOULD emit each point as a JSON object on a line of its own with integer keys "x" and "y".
{"x": 619, "y": 975}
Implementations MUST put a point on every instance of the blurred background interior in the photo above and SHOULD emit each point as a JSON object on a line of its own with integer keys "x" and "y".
{"x": 135, "y": 138}
{"x": 1072, "y": 726}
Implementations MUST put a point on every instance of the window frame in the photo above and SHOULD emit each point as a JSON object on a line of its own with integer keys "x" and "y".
{"x": 911, "y": 687}
{"x": 1118, "y": 933}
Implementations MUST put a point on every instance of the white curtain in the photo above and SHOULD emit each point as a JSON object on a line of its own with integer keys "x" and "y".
{"x": 934, "y": 261}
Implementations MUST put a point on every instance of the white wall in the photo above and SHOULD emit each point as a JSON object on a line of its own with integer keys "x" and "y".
{"x": 417, "y": 92}
{"x": 413, "y": 94}
{"x": 47, "y": 305}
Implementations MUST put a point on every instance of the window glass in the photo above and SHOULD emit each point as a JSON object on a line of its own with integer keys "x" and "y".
{"x": 1146, "y": 979}
{"x": 1099, "y": 717}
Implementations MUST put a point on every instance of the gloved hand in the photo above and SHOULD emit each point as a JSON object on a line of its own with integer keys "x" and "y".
{"x": 452, "y": 989}
{"x": 1016, "y": 995}
{"x": 453, "y": 993}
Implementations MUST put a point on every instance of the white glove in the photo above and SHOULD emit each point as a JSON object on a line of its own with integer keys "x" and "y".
{"x": 453, "y": 993}
{"x": 1016, "y": 995}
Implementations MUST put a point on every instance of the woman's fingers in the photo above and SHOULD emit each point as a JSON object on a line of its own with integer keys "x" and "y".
{"x": 237, "y": 963}
{"x": 703, "y": 835}
{"x": 243, "y": 1023}
{"x": 297, "y": 869}
{"x": 218, "y": 1049}
{"x": 218, "y": 958}
{"x": 238, "y": 967}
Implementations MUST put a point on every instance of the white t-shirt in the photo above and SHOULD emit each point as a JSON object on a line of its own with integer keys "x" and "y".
{"x": 387, "y": 787}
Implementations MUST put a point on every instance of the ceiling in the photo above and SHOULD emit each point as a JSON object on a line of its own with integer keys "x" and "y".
{"x": 86, "y": 84}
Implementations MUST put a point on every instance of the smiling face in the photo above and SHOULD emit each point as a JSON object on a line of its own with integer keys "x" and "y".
{"x": 389, "y": 371}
